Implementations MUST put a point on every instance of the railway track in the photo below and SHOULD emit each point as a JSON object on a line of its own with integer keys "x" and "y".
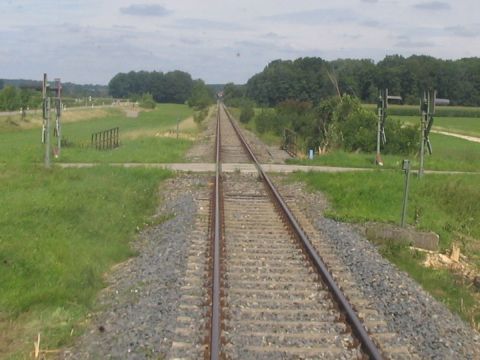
{"x": 258, "y": 289}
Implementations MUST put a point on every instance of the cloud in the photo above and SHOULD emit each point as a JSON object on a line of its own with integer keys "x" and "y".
{"x": 461, "y": 31}
{"x": 433, "y": 6}
{"x": 190, "y": 41}
{"x": 204, "y": 24}
{"x": 371, "y": 23}
{"x": 369, "y": 1}
{"x": 407, "y": 43}
{"x": 272, "y": 36}
{"x": 145, "y": 10}
{"x": 314, "y": 17}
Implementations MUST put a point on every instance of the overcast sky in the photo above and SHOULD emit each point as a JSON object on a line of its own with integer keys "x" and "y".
{"x": 89, "y": 41}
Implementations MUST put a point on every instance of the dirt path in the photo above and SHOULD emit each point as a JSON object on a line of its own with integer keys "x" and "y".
{"x": 464, "y": 137}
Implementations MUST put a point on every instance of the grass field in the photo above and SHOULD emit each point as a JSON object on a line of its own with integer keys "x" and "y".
{"x": 63, "y": 229}
{"x": 460, "y": 125}
{"x": 149, "y": 138}
{"x": 448, "y": 205}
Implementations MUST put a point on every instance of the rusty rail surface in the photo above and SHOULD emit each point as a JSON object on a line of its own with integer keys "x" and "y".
{"x": 359, "y": 330}
{"x": 216, "y": 238}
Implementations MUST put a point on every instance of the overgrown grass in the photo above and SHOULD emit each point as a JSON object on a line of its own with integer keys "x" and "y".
{"x": 61, "y": 230}
{"x": 446, "y": 204}
{"x": 149, "y": 138}
{"x": 449, "y": 288}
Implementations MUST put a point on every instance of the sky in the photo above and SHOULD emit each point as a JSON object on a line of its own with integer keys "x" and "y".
{"x": 220, "y": 41}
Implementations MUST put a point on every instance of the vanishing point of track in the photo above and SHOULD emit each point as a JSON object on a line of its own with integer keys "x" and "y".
{"x": 267, "y": 297}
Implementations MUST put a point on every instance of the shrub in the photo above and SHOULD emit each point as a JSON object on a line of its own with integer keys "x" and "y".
{"x": 199, "y": 116}
{"x": 265, "y": 121}
{"x": 358, "y": 130}
{"x": 246, "y": 113}
{"x": 403, "y": 140}
{"x": 147, "y": 101}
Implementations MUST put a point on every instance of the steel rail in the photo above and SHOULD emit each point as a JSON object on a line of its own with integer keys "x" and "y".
{"x": 215, "y": 336}
{"x": 366, "y": 342}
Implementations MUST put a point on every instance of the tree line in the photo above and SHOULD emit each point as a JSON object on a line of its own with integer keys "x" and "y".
{"x": 12, "y": 98}
{"x": 18, "y": 93}
{"x": 313, "y": 79}
{"x": 171, "y": 87}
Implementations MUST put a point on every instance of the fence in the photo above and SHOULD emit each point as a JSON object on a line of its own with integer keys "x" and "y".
{"x": 290, "y": 142}
{"x": 105, "y": 140}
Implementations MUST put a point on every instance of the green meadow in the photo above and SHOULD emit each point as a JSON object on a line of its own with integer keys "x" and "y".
{"x": 151, "y": 137}
{"x": 459, "y": 125}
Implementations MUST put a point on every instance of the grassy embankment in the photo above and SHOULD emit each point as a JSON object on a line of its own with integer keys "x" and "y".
{"x": 63, "y": 229}
{"x": 446, "y": 204}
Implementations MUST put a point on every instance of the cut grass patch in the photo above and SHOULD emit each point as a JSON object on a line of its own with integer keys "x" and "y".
{"x": 61, "y": 230}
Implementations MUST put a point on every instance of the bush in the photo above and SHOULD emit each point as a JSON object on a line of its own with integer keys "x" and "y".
{"x": 198, "y": 116}
{"x": 147, "y": 101}
{"x": 403, "y": 140}
{"x": 265, "y": 121}
{"x": 359, "y": 130}
{"x": 246, "y": 113}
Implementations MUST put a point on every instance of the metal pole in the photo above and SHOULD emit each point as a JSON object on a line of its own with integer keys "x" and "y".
{"x": 406, "y": 168}
{"x": 422, "y": 141}
{"x": 178, "y": 121}
{"x": 46, "y": 115}
{"x": 379, "y": 110}
{"x": 58, "y": 103}
{"x": 47, "y": 136}
{"x": 382, "y": 105}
